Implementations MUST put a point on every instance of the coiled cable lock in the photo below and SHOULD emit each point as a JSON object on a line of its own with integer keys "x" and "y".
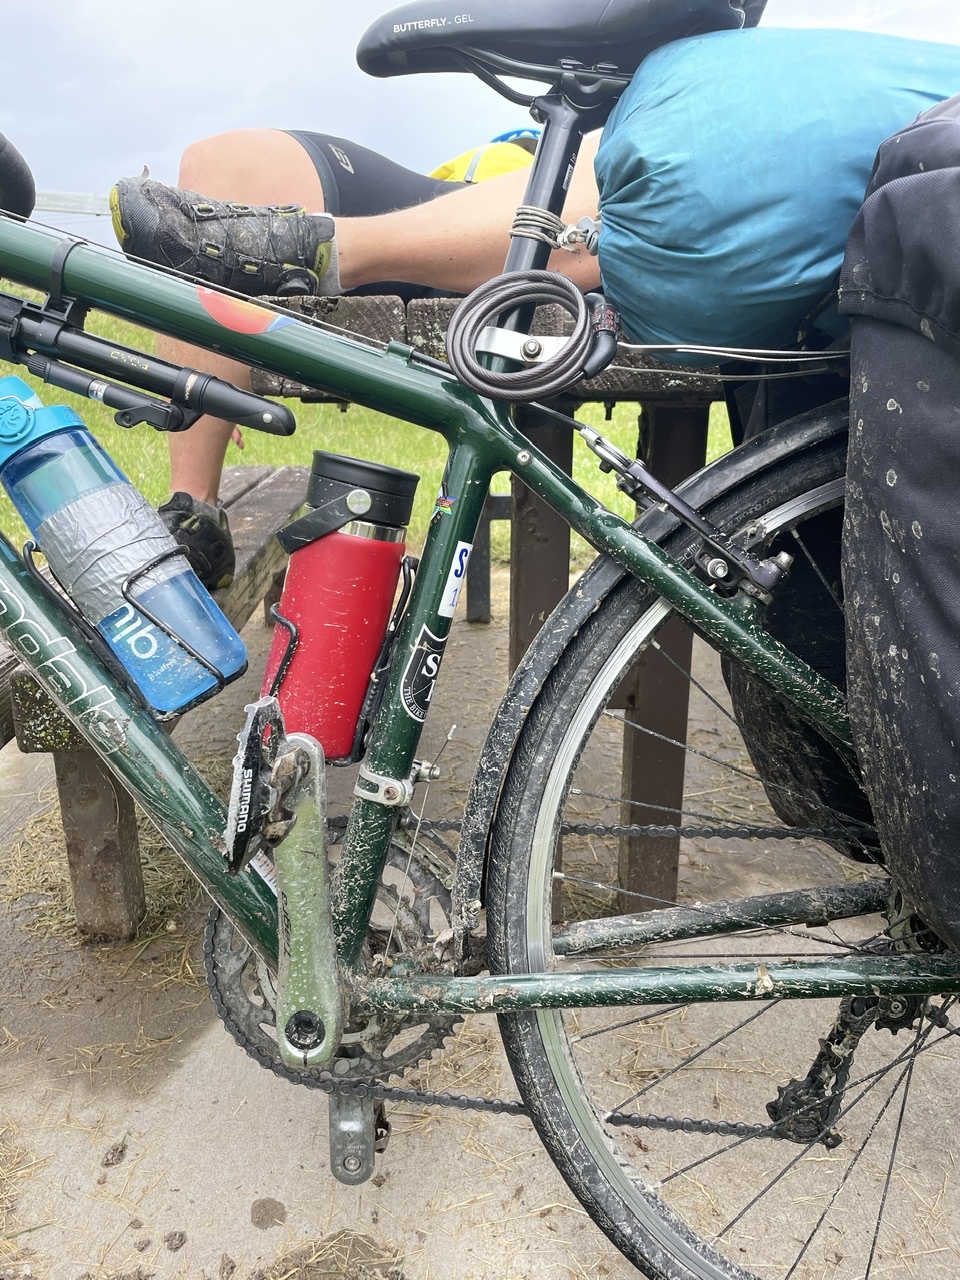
{"x": 588, "y": 349}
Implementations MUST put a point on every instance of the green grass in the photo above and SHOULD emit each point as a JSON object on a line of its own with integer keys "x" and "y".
{"x": 142, "y": 453}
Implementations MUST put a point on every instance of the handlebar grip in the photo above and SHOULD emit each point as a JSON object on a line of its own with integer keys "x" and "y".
{"x": 18, "y": 193}
{"x": 203, "y": 392}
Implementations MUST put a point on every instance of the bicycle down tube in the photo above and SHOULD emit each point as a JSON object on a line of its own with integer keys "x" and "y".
{"x": 482, "y": 440}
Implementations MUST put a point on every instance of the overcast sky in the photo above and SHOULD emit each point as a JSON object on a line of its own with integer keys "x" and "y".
{"x": 95, "y": 89}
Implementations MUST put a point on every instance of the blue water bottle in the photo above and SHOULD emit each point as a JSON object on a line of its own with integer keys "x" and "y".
{"x": 112, "y": 554}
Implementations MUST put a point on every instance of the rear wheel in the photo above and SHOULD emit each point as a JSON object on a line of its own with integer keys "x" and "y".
{"x": 716, "y": 1140}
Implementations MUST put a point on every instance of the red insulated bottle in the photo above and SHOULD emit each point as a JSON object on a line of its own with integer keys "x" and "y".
{"x": 338, "y": 595}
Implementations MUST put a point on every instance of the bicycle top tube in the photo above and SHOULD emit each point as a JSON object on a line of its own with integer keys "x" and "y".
{"x": 245, "y": 330}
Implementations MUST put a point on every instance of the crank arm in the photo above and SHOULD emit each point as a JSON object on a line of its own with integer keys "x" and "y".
{"x": 310, "y": 1000}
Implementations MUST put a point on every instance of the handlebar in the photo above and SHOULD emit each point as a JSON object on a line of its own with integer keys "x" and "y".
{"x": 18, "y": 193}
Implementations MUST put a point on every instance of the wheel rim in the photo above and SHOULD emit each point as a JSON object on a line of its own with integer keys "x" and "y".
{"x": 718, "y": 1229}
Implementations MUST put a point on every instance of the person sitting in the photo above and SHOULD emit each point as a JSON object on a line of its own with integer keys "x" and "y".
{"x": 297, "y": 212}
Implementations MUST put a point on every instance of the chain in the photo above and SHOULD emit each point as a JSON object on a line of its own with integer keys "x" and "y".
{"x": 674, "y": 1124}
{"x": 460, "y": 1102}
{"x": 664, "y": 831}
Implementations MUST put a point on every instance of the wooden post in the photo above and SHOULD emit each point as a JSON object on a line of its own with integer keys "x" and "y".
{"x": 539, "y": 542}
{"x": 100, "y": 828}
{"x": 656, "y": 693}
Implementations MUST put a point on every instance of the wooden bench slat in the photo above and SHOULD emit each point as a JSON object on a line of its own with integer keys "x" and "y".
{"x": 255, "y": 519}
{"x": 423, "y": 324}
{"x": 236, "y": 481}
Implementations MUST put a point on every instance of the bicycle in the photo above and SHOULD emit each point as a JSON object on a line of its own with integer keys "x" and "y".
{"x": 606, "y": 1023}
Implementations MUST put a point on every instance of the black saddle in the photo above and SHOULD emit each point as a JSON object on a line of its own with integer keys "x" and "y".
{"x": 438, "y": 35}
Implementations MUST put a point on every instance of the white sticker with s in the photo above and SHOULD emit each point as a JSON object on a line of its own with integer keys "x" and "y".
{"x": 455, "y": 580}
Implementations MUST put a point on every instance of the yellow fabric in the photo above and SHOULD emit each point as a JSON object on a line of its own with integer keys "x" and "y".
{"x": 480, "y": 163}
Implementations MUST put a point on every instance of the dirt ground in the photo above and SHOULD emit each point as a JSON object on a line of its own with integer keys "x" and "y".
{"x": 137, "y": 1140}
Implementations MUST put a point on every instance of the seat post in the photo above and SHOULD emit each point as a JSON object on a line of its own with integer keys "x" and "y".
{"x": 580, "y": 100}
{"x": 556, "y": 154}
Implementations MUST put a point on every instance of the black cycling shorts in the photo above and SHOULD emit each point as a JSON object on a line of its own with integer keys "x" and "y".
{"x": 360, "y": 183}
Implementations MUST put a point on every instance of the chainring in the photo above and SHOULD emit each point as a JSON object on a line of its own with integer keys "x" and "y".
{"x": 412, "y": 908}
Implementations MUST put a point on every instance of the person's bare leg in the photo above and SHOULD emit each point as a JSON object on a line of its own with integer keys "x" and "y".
{"x": 459, "y": 240}
{"x": 260, "y": 166}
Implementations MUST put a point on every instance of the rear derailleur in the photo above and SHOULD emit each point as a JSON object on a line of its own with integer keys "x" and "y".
{"x": 806, "y": 1111}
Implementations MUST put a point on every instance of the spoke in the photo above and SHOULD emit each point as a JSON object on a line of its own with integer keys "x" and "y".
{"x": 628, "y": 1022}
{"x": 846, "y": 1177}
{"x": 682, "y": 1066}
{"x": 869, "y": 1081}
{"x": 684, "y": 671}
{"x": 685, "y": 746}
{"x": 808, "y": 1147}
{"x": 730, "y": 829}
{"x": 906, "y": 1079}
{"x": 811, "y": 560}
{"x": 849, "y": 828}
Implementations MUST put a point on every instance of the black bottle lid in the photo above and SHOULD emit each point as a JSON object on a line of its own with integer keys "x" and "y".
{"x": 342, "y": 489}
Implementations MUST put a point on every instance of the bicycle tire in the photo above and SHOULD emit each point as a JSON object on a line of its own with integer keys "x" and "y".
{"x": 571, "y": 1078}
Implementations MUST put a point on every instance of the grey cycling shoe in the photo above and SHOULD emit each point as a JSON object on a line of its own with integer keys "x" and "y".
{"x": 207, "y": 540}
{"x": 273, "y": 250}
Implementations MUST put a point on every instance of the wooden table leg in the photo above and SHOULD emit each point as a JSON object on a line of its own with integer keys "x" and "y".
{"x": 100, "y": 827}
{"x": 673, "y": 444}
{"x": 539, "y": 542}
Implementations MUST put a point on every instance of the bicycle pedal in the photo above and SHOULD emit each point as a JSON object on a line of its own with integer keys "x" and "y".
{"x": 253, "y": 797}
{"x": 359, "y": 1130}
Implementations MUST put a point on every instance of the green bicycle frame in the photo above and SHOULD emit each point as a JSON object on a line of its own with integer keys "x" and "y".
{"x": 482, "y": 440}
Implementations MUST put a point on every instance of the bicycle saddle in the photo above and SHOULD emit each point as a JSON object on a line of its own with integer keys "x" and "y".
{"x": 429, "y": 36}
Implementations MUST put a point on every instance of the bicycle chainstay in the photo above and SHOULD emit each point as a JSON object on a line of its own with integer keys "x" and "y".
{"x": 427, "y": 1097}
